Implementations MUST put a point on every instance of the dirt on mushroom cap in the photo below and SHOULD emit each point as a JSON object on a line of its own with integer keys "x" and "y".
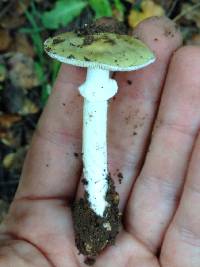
{"x": 103, "y": 44}
{"x": 104, "y": 24}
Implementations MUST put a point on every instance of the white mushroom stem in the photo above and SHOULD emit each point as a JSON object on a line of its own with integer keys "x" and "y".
{"x": 96, "y": 90}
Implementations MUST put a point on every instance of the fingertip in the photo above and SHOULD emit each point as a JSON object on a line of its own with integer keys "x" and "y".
{"x": 185, "y": 66}
{"x": 160, "y": 34}
{"x": 188, "y": 56}
{"x": 163, "y": 38}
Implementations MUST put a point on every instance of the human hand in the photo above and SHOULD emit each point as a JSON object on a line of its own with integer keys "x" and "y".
{"x": 161, "y": 207}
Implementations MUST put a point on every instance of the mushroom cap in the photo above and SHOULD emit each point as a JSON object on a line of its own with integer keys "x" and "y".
{"x": 107, "y": 51}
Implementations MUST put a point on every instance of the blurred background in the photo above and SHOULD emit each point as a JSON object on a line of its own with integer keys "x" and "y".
{"x": 27, "y": 74}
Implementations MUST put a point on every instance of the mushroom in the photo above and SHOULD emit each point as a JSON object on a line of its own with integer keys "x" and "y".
{"x": 100, "y": 53}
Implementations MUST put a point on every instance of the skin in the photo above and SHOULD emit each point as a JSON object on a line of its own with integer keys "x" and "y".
{"x": 159, "y": 159}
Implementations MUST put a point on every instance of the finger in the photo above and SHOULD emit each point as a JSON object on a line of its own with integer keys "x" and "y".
{"x": 157, "y": 190}
{"x": 132, "y": 111}
{"x": 181, "y": 246}
{"x": 51, "y": 167}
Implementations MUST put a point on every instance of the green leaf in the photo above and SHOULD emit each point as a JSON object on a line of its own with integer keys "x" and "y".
{"x": 102, "y": 8}
{"x": 36, "y": 13}
{"x": 55, "y": 69}
{"x": 63, "y": 12}
{"x": 120, "y": 8}
{"x": 38, "y": 45}
{"x": 35, "y": 34}
{"x": 30, "y": 30}
{"x": 40, "y": 72}
{"x": 46, "y": 91}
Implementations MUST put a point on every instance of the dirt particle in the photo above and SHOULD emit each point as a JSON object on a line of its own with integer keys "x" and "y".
{"x": 88, "y": 247}
{"x": 115, "y": 198}
{"x": 121, "y": 177}
{"x": 47, "y": 165}
{"x": 71, "y": 57}
{"x": 109, "y": 41}
{"x": 86, "y": 59}
{"x": 129, "y": 82}
{"x": 134, "y": 133}
{"x": 127, "y": 119}
{"x": 58, "y": 41}
{"x": 75, "y": 155}
{"x": 107, "y": 226}
{"x": 72, "y": 44}
{"x": 84, "y": 181}
{"x": 114, "y": 74}
{"x": 63, "y": 104}
{"x": 155, "y": 39}
{"x": 168, "y": 32}
{"x": 88, "y": 40}
{"x": 89, "y": 261}
{"x": 48, "y": 49}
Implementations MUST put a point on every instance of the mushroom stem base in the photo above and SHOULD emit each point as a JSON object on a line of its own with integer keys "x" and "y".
{"x": 92, "y": 232}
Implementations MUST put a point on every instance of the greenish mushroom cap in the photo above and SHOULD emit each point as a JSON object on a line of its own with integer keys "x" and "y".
{"x": 108, "y": 51}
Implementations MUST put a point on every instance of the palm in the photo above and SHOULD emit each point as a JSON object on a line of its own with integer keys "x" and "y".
{"x": 59, "y": 245}
{"x": 158, "y": 228}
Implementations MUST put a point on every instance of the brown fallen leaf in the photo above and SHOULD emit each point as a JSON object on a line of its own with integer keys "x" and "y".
{"x": 8, "y": 139}
{"x": 5, "y": 39}
{"x": 195, "y": 40}
{"x": 28, "y": 107}
{"x": 7, "y": 136}
{"x": 22, "y": 73}
{"x": 14, "y": 160}
{"x": 22, "y": 6}
{"x": 7, "y": 120}
{"x": 16, "y": 101}
{"x": 8, "y": 160}
{"x": 12, "y": 21}
{"x": 12, "y": 99}
{"x": 3, "y": 133}
{"x": 21, "y": 44}
{"x": 3, "y": 72}
{"x": 12, "y": 13}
